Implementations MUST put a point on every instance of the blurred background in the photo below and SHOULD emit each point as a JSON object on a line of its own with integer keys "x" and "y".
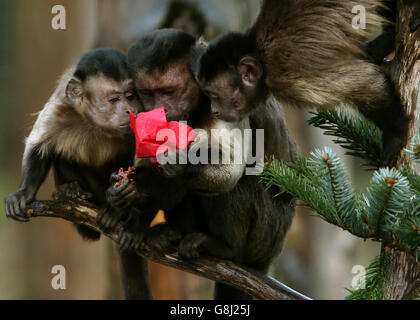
{"x": 318, "y": 257}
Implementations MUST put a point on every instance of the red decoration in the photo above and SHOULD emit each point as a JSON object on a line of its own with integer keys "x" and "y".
{"x": 146, "y": 127}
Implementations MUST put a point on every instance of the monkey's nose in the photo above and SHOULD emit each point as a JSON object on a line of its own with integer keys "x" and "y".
{"x": 216, "y": 114}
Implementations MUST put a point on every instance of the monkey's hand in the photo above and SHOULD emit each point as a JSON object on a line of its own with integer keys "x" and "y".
{"x": 121, "y": 195}
{"x": 134, "y": 230}
{"x": 162, "y": 238}
{"x": 15, "y": 204}
{"x": 173, "y": 164}
{"x": 129, "y": 241}
{"x": 195, "y": 244}
{"x": 72, "y": 190}
{"x": 108, "y": 218}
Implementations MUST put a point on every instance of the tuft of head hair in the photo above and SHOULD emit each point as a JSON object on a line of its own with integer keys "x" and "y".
{"x": 223, "y": 54}
{"x": 196, "y": 52}
{"x": 160, "y": 48}
{"x": 111, "y": 63}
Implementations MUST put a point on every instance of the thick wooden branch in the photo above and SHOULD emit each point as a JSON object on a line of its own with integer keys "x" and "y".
{"x": 404, "y": 271}
{"x": 259, "y": 286}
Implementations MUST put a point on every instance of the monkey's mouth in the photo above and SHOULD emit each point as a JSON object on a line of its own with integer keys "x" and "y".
{"x": 124, "y": 126}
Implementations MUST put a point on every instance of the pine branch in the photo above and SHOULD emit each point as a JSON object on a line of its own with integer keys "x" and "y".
{"x": 408, "y": 233}
{"x": 375, "y": 276}
{"x": 360, "y": 136}
{"x": 258, "y": 286}
{"x": 387, "y": 196}
{"x": 413, "y": 178}
{"x": 322, "y": 184}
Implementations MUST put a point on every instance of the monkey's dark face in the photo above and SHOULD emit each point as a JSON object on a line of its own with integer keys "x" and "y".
{"x": 236, "y": 92}
{"x": 107, "y": 103}
{"x": 174, "y": 88}
{"x": 231, "y": 100}
{"x": 228, "y": 101}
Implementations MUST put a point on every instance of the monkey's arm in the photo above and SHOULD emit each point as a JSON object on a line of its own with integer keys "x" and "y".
{"x": 35, "y": 169}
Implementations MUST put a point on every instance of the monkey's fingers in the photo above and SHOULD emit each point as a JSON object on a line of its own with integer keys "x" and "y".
{"x": 103, "y": 221}
{"x": 191, "y": 246}
{"x": 108, "y": 221}
{"x": 127, "y": 188}
{"x": 128, "y": 241}
{"x": 114, "y": 178}
{"x": 78, "y": 192}
{"x": 13, "y": 211}
{"x": 123, "y": 201}
{"x": 163, "y": 238}
{"x": 22, "y": 207}
{"x": 118, "y": 189}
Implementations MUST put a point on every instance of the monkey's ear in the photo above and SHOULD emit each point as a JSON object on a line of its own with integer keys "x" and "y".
{"x": 74, "y": 91}
{"x": 250, "y": 70}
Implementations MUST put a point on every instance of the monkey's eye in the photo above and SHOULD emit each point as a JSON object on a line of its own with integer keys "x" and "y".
{"x": 167, "y": 91}
{"x": 145, "y": 92}
{"x": 114, "y": 100}
{"x": 213, "y": 96}
{"x": 130, "y": 96}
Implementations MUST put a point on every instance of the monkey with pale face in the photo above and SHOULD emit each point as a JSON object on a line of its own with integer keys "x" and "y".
{"x": 83, "y": 132}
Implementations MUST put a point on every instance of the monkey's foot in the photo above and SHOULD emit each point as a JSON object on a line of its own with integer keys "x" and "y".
{"x": 129, "y": 241}
{"x": 163, "y": 238}
{"x": 73, "y": 191}
{"x": 108, "y": 219}
{"x": 191, "y": 246}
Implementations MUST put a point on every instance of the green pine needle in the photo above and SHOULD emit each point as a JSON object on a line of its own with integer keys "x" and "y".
{"x": 385, "y": 213}
{"x": 356, "y": 134}
{"x": 376, "y": 275}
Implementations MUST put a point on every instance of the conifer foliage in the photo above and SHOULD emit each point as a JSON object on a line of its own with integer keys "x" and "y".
{"x": 388, "y": 211}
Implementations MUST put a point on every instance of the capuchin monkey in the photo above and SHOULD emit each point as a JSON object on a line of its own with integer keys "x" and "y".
{"x": 83, "y": 132}
{"x": 219, "y": 211}
{"x": 307, "y": 54}
{"x": 160, "y": 68}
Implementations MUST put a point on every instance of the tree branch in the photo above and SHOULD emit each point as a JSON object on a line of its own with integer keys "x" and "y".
{"x": 258, "y": 286}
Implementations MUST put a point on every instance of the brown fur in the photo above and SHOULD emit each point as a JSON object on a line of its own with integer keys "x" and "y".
{"x": 62, "y": 130}
{"x": 314, "y": 54}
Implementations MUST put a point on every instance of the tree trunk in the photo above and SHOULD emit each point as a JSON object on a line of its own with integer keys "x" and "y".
{"x": 403, "y": 281}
